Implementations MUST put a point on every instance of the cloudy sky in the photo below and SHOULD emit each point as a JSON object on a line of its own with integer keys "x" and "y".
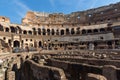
{"x": 16, "y": 9}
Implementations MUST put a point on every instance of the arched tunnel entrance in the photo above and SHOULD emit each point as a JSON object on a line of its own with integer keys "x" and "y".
{"x": 16, "y": 44}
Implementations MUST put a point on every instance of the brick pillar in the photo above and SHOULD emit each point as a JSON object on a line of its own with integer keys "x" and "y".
{"x": 109, "y": 72}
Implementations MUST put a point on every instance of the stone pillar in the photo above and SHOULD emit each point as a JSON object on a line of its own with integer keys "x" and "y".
{"x": 113, "y": 45}
{"x": 109, "y": 72}
{"x": 2, "y": 73}
{"x": 20, "y": 39}
{"x": 12, "y": 40}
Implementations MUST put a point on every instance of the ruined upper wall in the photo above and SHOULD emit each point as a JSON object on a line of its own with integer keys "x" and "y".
{"x": 4, "y": 19}
{"x": 105, "y": 14}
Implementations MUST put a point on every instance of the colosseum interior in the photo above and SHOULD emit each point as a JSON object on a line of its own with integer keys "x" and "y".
{"x": 83, "y": 45}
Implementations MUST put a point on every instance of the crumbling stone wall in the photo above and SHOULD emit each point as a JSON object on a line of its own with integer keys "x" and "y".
{"x": 34, "y": 71}
{"x": 75, "y": 70}
{"x": 11, "y": 64}
{"x": 99, "y": 62}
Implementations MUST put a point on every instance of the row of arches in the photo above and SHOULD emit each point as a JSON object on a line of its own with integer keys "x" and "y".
{"x": 44, "y": 31}
{"x": 16, "y": 43}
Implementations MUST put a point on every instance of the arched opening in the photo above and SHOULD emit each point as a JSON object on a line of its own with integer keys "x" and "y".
{"x": 16, "y": 44}
{"x": 78, "y": 31}
{"x": 30, "y": 32}
{"x": 57, "y": 32}
{"x": 67, "y": 31}
{"x": 72, "y": 31}
{"x": 40, "y": 44}
{"x": 6, "y": 29}
{"x": 1, "y": 28}
{"x": 102, "y": 30}
{"x": 95, "y": 30}
{"x": 34, "y": 31}
{"x": 53, "y": 32}
{"x": 83, "y": 31}
{"x": 48, "y": 31}
{"x": 13, "y": 29}
{"x": 44, "y": 31}
{"x": 89, "y": 31}
{"x": 109, "y": 43}
{"x": 39, "y": 31}
{"x": 62, "y": 32}
{"x": 24, "y": 32}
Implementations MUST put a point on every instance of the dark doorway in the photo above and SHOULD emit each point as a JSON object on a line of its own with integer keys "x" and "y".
{"x": 16, "y": 44}
{"x": 62, "y": 32}
{"x": 40, "y": 44}
{"x": 109, "y": 43}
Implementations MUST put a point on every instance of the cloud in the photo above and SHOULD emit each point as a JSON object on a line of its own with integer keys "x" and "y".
{"x": 21, "y": 8}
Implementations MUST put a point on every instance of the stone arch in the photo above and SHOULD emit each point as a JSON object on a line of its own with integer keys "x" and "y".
{"x": 6, "y": 29}
{"x": 78, "y": 31}
{"x": 67, "y": 31}
{"x": 44, "y": 31}
{"x": 24, "y": 32}
{"x": 53, "y": 32}
{"x": 62, "y": 32}
{"x": 89, "y": 31}
{"x": 34, "y": 31}
{"x": 95, "y": 30}
{"x": 57, "y": 32}
{"x": 13, "y": 29}
{"x": 48, "y": 31}
{"x": 72, "y": 31}
{"x": 16, "y": 44}
{"x": 39, "y": 31}
{"x": 83, "y": 31}
{"x": 30, "y": 32}
{"x": 102, "y": 30}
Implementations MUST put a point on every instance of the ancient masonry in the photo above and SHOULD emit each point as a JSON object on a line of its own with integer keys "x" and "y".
{"x": 82, "y": 45}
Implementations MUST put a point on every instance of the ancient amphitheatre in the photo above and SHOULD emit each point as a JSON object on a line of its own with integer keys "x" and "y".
{"x": 82, "y": 45}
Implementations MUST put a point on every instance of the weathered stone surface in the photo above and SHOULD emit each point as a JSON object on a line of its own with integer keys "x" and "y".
{"x": 11, "y": 75}
{"x": 91, "y": 76}
{"x": 109, "y": 71}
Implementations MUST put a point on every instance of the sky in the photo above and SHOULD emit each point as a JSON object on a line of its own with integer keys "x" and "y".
{"x": 16, "y": 9}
